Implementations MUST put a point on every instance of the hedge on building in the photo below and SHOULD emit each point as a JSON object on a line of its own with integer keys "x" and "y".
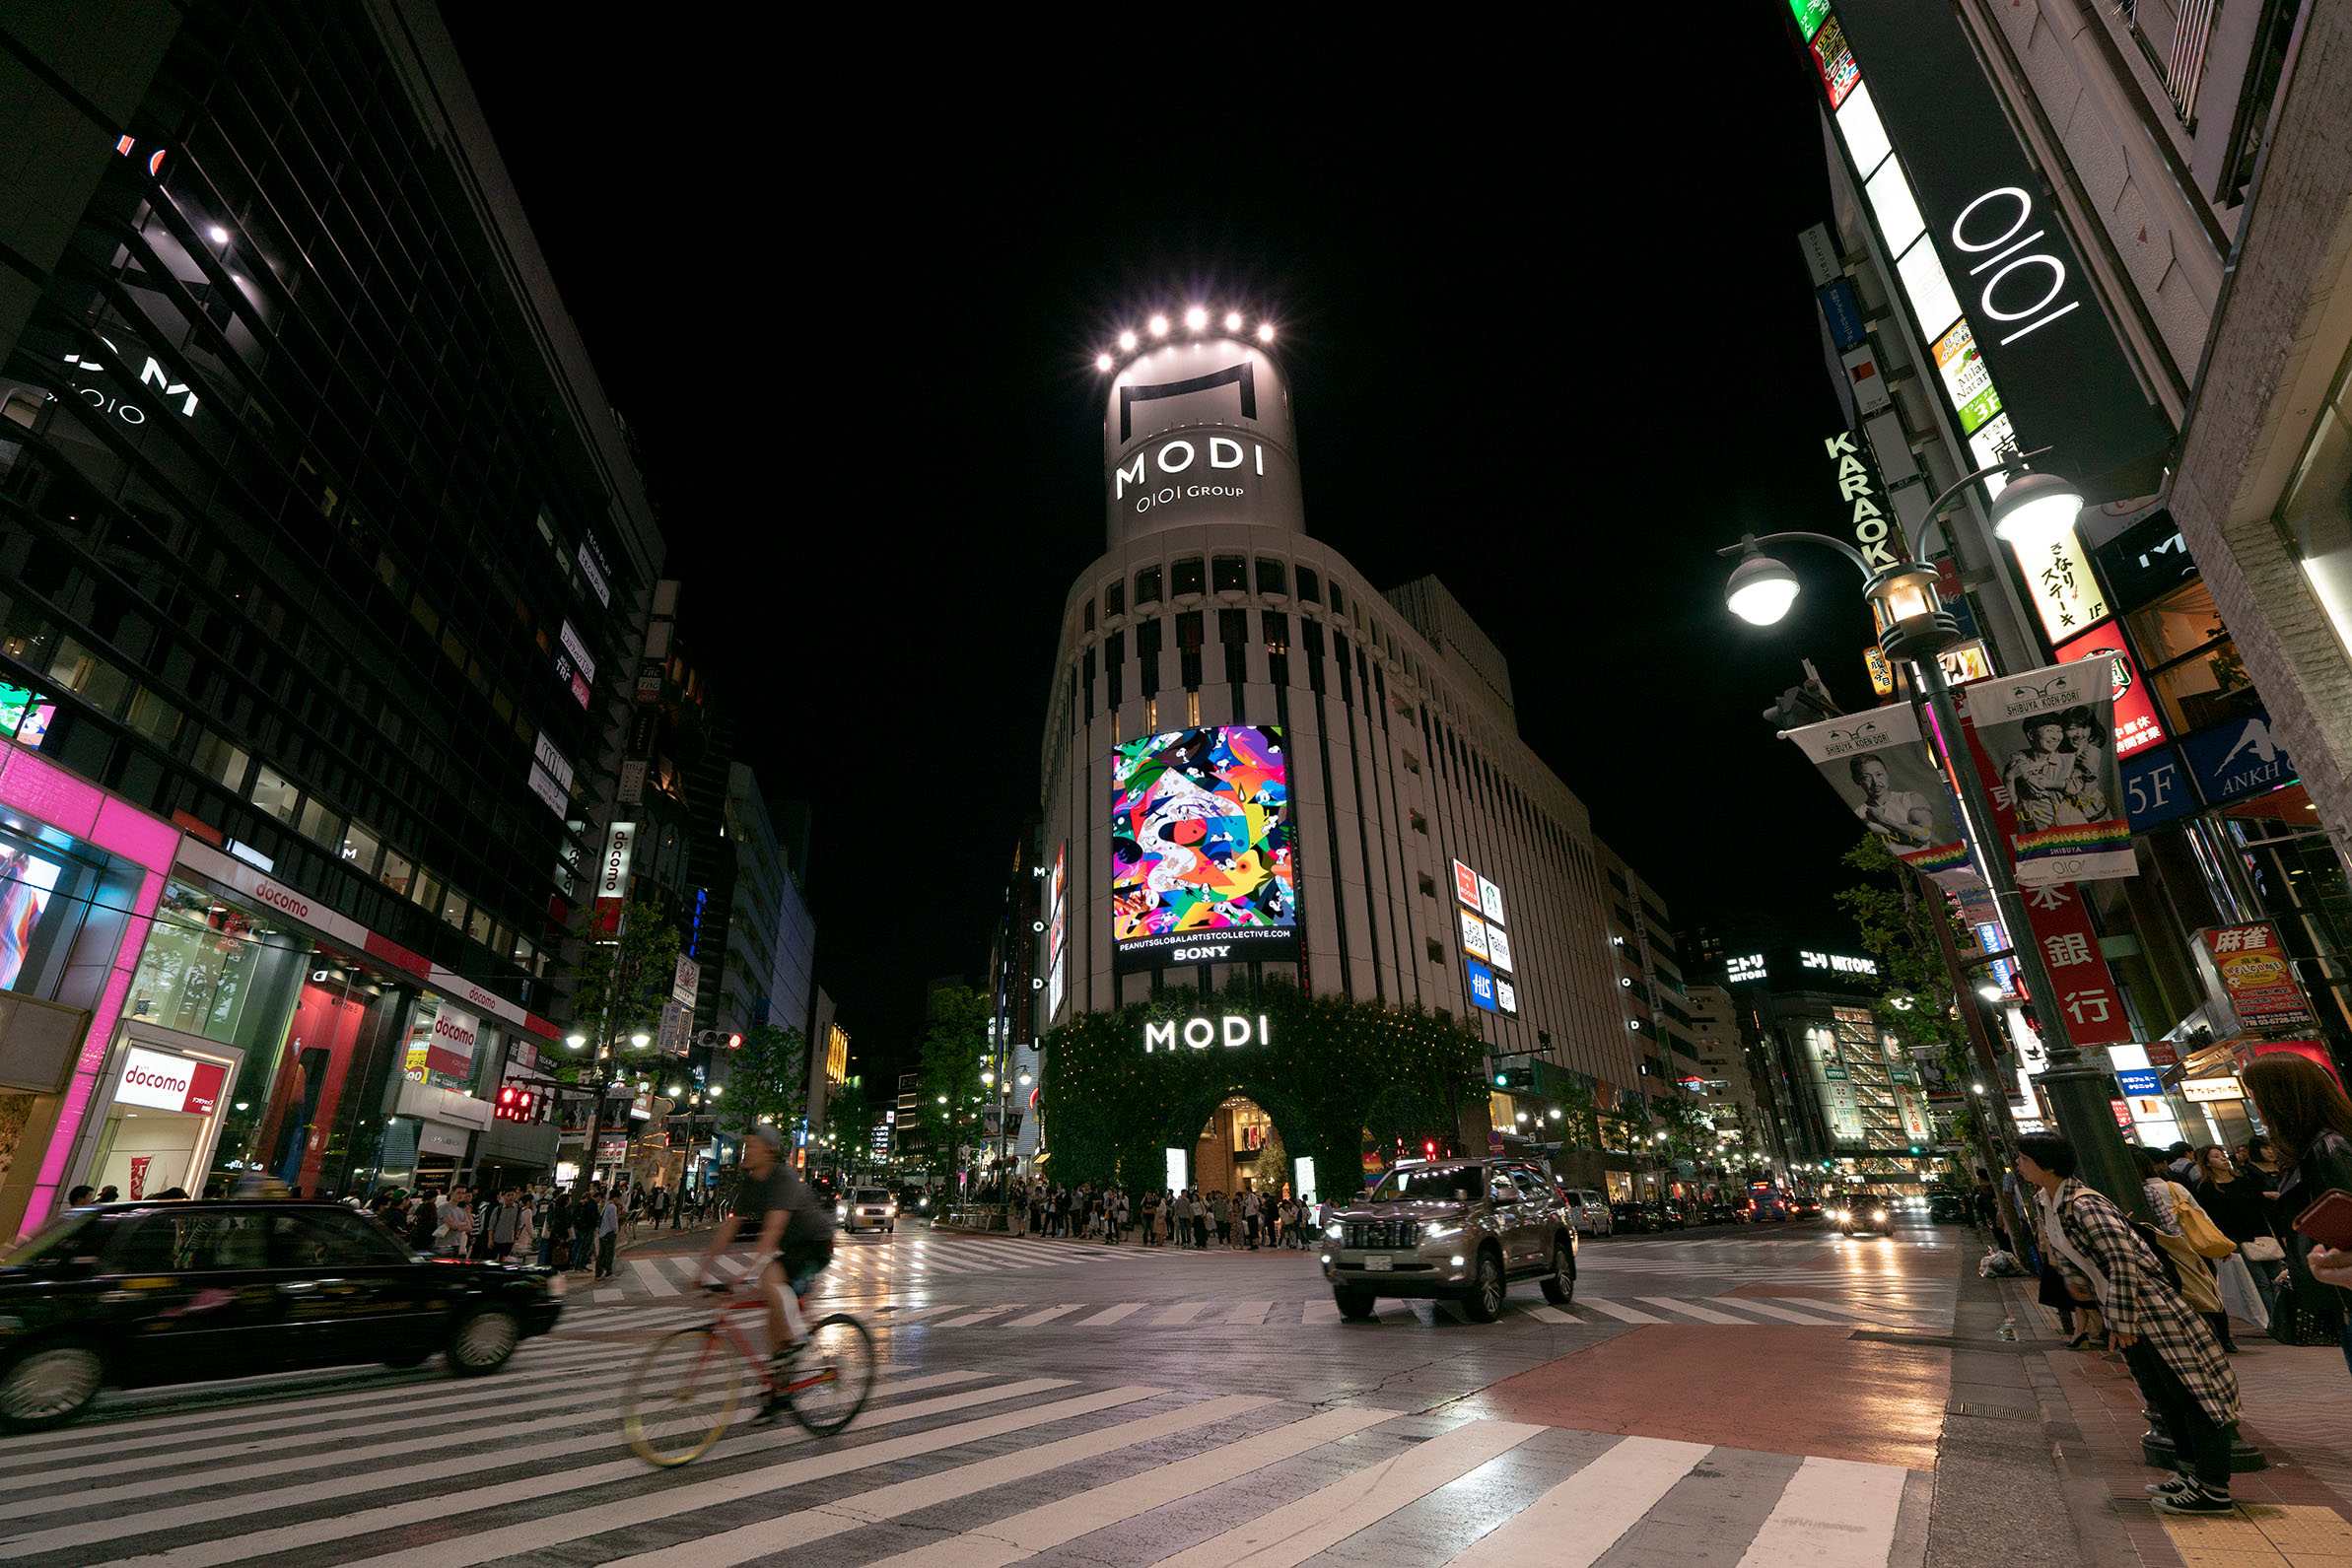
{"x": 1330, "y": 1071}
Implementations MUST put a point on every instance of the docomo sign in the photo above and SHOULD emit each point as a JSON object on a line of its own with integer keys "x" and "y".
{"x": 2006, "y": 260}
{"x": 1202, "y": 1033}
{"x": 169, "y": 1083}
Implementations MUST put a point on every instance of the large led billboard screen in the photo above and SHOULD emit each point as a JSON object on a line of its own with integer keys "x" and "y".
{"x": 1203, "y": 868}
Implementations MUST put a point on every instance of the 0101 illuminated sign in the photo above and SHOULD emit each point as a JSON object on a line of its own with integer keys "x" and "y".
{"x": 1232, "y": 1030}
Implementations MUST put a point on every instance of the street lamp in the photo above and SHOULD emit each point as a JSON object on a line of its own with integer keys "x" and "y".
{"x": 1914, "y": 626}
{"x": 574, "y": 1041}
{"x": 641, "y": 1040}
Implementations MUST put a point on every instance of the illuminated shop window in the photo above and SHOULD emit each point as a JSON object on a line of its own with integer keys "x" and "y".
{"x": 2316, "y": 516}
{"x": 274, "y": 793}
{"x": 396, "y": 871}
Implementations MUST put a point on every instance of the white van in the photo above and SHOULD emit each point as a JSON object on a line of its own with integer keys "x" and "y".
{"x": 1590, "y": 1210}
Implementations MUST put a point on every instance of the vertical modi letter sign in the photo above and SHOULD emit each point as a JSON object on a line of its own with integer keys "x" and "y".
{"x": 1878, "y": 765}
{"x": 2044, "y": 744}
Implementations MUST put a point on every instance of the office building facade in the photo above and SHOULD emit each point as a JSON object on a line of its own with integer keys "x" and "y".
{"x": 320, "y": 546}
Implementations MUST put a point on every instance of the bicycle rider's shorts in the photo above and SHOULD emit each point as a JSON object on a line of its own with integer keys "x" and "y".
{"x": 802, "y": 1262}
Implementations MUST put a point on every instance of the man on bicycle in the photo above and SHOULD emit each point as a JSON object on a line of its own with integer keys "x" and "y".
{"x": 791, "y": 1231}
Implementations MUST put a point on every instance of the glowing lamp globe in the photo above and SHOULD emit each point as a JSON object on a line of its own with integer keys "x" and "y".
{"x": 2034, "y": 506}
{"x": 1760, "y": 589}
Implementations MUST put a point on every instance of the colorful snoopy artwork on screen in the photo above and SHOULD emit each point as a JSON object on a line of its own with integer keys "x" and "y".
{"x": 1201, "y": 835}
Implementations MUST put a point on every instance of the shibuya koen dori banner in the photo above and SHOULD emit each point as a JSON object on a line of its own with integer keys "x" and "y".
{"x": 1203, "y": 869}
{"x": 1879, "y": 764}
{"x": 2044, "y": 744}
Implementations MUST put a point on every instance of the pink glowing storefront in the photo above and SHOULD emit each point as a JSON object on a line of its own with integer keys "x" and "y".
{"x": 81, "y": 874}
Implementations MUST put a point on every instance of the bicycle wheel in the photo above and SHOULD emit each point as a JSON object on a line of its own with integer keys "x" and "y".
{"x": 834, "y": 1374}
{"x": 681, "y": 1397}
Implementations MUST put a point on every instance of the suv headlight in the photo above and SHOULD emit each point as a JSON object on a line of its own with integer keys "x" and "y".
{"x": 1878, "y": 1214}
{"x": 1334, "y": 1231}
{"x": 1843, "y": 1215}
{"x": 1441, "y": 1229}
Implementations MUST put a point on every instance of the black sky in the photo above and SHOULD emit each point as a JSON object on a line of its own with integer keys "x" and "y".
{"x": 1550, "y": 334}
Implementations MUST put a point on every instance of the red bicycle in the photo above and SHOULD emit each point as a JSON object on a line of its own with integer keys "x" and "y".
{"x": 687, "y": 1391}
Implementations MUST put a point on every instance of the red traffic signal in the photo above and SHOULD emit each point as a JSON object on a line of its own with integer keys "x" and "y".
{"x": 516, "y": 1103}
{"x": 734, "y": 1042}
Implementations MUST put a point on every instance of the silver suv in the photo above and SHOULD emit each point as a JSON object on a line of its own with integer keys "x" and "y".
{"x": 1452, "y": 1229}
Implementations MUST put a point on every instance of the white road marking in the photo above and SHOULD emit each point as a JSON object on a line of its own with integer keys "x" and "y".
{"x": 1182, "y": 1312}
{"x": 1548, "y": 1315}
{"x": 1126, "y": 1308}
{"x": 1620, "y": 1314}
{"x": 982, "y": 1315}
{"x": 1046, "y": 1316}
{"x": 1769, "y": 1310}
{"x": 1832, "y": 1514}
{"x": 1702, "y": 1314}
{"x": 654, "y": 1284}
{"x": 1290, "y": 1534}
{"x": 1574, "y": 1523}
{"x": 1248, "y": 1311}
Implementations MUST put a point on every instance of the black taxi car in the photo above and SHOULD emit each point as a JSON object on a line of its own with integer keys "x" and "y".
{"x": 134, "y": 1295}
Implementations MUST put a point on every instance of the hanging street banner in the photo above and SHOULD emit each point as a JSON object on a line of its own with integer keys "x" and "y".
{"x": 1878, "y": 765}
{"x": 2044, "y": 745}
{"x": 2078, "y": 972}
{"x": 2247, "y": 967}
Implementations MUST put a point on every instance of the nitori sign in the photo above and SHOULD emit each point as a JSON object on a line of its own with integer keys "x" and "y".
{"x": 1199, "y": 1034}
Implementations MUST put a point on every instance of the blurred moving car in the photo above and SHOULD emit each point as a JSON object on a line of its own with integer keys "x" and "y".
{"x": 134, "y": 1295}
{"x": 866, "y": 1206}
{"x": 1865, "y": 1215}
{"x": 1725, "y": 1215}
{"x": 1948, "y": 1209}
{"x": 1631, "y": 1217}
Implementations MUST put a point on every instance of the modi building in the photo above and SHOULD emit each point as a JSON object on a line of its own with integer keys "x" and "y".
{"x": 1260, "y": 772}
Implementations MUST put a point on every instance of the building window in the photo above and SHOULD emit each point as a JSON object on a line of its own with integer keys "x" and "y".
{"x": 1151, "y": 716}
{"x": 1429, "y": 886}
{"x": 1337, "y": 604}
{"x": 1191, "y": 631}
{"x": 1271, "y": 577}
{"x": 1420, "y": 824}
{"x": 453, "y": 908}
{"x": 479, "y": 924}
{"x": 397, "y": 873}
{"x": 275, "y": 793}
{"x": 93, "y": 679}
{"x": 1436, "y": 953}
{"x": 2192, "y": 661}
{"x": 1229, "y": 573}
{"x": 1114, "y": 598}
{"x": 1278, "y": 630}
{"x": 1089, "y": 625}
{"x": 152, "y": 718}
{"x": 1192, "y": 709}
{"x": 1147, "y": 587}
{"x": 424, "y": 889}
{"x": 216, "y": 759}
{"x": 319, "y": 823}
{"x": 1186, "y": 577}
{"x": 1310, "y": 586}
{"x": 359, "y": 847}
{"x": 1148, "y": 642}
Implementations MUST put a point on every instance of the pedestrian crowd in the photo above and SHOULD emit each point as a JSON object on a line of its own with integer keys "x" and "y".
{"x": 541, "y": 1223}
{"x": 1160, "y": 1217}
{"x": 2222, "y": 1246}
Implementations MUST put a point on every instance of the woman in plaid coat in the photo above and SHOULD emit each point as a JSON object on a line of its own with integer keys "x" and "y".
{"x": 2172, "y": 1353}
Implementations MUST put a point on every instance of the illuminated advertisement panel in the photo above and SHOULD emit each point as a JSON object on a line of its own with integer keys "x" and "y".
{"x": 1474, "y": 936}
{"x": 26, "y": 883}
{"x": 2136, "y": 724}
{"x": 1056, "y": 921}
{"x": 1203, "y": 868}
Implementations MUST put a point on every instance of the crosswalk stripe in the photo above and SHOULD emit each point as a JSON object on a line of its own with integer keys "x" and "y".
{"x": 1321, "y": 1309}
{"x": 230, "y": 1548}
{"x": 1771, "y": 1309}
{"x": 982, "y": 1315}
{"x": 1702, "y": 1314}
{"x": 1248, "y": 1311}
{"x": 574, "y": 1525}
{"x": 612, "y": 1293}
{"x": 1622, "y": 1314}
{"x": 1832, "y": 1514}
{"x": 1867, "y": 1314}
{"x": 1126, "y": 1308}
{"x": 905, "y": 1497}
{"x": 652, "y": 1277}
{"x": 1574, "y": 1523}
{"x": 1024, "y": 1534}
{"x": 1182, "y": 1312}
{"x": 1548, "y": 1315}
{"x": 531, "y": 1364}
{"x": 1290, "y": 1534}
{"x": 1046, "y": 1316}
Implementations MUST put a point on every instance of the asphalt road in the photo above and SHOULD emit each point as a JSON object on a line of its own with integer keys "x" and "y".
{"x": 1737, "y": 1397}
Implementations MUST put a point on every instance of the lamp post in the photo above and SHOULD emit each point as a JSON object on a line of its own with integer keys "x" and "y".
{"x": 1914, "y": 626}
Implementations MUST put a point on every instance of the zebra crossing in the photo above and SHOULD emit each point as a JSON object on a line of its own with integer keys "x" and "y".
{"x": 1902, "y": 1311}
{"x": 417, "y": 1472}
{"x": 895, "y": 1260}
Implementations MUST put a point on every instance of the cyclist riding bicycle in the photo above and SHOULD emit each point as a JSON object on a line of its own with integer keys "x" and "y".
{"x": 789, "y": 1230}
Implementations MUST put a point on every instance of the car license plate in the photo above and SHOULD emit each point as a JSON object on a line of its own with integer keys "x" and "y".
{"x": 1378, "y": 1262}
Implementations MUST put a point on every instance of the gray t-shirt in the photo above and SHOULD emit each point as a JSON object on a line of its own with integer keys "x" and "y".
{"x": 756, "y": 1198}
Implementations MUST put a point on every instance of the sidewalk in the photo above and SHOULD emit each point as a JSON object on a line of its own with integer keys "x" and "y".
{"x": 2295, "y": 1514}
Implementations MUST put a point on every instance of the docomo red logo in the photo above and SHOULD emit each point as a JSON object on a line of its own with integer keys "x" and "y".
{"x": 278, "y": 898}
{"x": 444, "y": 1028}
{"x": 2007, "y": 260}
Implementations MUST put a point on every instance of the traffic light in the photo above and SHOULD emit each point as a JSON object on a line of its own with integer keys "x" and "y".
{"x": 516, "y": 1103}
{"x": 734, "y": 1042}
{"x": 1429, "y": 1148}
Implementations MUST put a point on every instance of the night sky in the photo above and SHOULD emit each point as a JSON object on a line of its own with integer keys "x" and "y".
{"x": 1550, "y": 334}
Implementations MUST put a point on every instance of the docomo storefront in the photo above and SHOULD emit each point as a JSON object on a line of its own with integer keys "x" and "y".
{"x": 157, "y": 1125}
{"x": 81, "y": 873}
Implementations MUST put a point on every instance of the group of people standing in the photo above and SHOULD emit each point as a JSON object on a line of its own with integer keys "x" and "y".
{"x": 2162, "y": 1295}
{"x": 539, "y": 1223}
{"x": 1184, "y": 1217}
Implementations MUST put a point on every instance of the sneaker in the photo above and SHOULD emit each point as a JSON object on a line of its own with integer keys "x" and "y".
{"x": 770, "y": 1407}
{"x": 2196, "y": 1500}
{"x": 2171, "y": 1489}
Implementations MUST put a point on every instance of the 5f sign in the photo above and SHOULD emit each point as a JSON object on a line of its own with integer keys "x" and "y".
{"x": 1978, "y": 232}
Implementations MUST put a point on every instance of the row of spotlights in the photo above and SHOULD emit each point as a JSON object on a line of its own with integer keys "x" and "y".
{"x": 1195, "y": 320}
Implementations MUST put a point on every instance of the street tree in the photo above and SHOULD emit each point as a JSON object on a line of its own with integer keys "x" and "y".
{"x": 767, "y": 1078}
{"x": 618, "y": 990}
{"x": 954, "y": 1053}
{"x": 849, "y": 1121}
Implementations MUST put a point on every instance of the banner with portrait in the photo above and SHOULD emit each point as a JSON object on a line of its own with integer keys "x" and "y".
{"x": 1879, "y": 764}
{"x": 2044, "y": 743}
